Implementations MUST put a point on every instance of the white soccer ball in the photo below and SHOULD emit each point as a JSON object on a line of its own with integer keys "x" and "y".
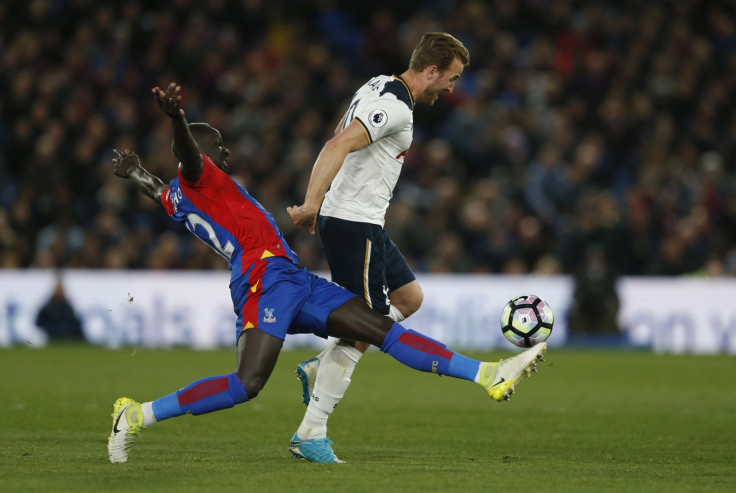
{"x": 527, "y": 320}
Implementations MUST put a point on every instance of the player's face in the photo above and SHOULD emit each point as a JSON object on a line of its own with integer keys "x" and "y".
{"x": 211, "y": 145}
{"x": 443, "y": 83}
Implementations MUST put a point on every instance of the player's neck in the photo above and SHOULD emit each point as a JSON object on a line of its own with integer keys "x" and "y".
{"x": 413, "y": 81}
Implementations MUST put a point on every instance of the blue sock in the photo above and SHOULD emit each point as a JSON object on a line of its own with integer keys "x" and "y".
{"x": 422, "y": 353}
{"x": 200, "y": 397}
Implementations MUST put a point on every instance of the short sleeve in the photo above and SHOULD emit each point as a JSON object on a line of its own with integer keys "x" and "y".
{"x": 383, "y": 117}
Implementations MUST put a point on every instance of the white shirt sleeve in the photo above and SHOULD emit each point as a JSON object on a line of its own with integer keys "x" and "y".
{"x": 383, "y": 117}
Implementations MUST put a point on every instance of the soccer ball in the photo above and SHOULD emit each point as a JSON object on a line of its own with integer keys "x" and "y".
{"x": 527, "y": 320}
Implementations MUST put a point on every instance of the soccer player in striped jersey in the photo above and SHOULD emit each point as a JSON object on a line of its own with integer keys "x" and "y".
{"x": 271, "y": 296}
{"x": 349, "y": 191}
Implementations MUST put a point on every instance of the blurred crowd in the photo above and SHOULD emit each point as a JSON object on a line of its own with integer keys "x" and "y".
{"x": 593, "y": 138}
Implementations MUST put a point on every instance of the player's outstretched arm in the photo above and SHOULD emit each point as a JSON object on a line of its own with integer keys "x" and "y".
{"x": 126, "y": 164}
{"x": 325, "y": 169}
{"x": 185, "y": 147}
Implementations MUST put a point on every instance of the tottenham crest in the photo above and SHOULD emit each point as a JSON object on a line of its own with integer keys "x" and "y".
{"x": 378, "y": 118}
{"x": 268, "y": 315}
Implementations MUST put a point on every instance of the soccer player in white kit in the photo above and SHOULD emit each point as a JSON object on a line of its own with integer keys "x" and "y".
{"x": 349, "y": 191}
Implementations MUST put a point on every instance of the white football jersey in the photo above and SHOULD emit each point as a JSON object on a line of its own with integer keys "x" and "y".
{"x": 363, "y": 187}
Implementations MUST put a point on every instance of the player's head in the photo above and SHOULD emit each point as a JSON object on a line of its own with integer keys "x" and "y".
{"x": 210, "y": 143}
{"x": 441, "y": 58}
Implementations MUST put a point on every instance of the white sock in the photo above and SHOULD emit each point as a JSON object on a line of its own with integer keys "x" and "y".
{"x": 147, "y": 410}
{"x": 394, "y": 314}
{"x": 333, "y": 378}
{"x": 329, "y": 346}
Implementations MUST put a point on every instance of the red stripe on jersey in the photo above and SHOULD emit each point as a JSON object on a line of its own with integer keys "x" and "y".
{"x": 166, "y": 201}
{"x": 424, "y": 345}
{"x": 202, "y": 390}
{"x": 217, "y": 195}
{"x": 250, "y": 309}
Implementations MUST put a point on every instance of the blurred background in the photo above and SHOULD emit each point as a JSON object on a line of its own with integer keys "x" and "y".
{"x": 588, "y": 139}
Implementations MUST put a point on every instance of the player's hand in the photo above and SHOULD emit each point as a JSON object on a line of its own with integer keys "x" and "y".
{"x": 124, "y": 162}
{"x": 169, "y": 101}
{"x": 303, "y": 216}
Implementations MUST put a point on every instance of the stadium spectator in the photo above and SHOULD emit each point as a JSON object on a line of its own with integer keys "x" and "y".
{"x": 57, "y": 317}
{"x": 595, "y": 301}
{"x": 646, "y": 85}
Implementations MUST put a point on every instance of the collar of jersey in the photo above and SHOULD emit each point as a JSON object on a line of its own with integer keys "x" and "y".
{"x": 411, "y": 96}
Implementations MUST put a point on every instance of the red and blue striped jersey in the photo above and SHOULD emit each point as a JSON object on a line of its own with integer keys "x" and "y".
{"x": 226, "y": 217}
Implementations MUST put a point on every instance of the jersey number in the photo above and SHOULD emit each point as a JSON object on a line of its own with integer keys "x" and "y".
{"x": 194, "y": 220}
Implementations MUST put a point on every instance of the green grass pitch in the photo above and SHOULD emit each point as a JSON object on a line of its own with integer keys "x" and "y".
{"x": 588, "y": 421}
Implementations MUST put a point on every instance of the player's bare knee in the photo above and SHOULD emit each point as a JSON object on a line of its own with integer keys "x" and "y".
{"x": 408, "y": 298}
{"x": 413, "y": 304}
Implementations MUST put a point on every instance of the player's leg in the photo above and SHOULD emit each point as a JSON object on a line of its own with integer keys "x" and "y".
{"x": 405, "y": 301}
{"x": 381, "y": 267}
{"x": 258, "y": 352}
{"x": 422, "y": 353}
{"x": 306, "y": 372}
{"x": 364, "y": 260}
{"x": 257, "y": 355}
{"x": 406, "y": 294}
{"x": 333, "y": 368}
{"x": 333, "y": 311}
{"x": 310, "y": 441}
{"x": 336, "y": 366}
{"x": 202, "y": 396}
{"x": 356, "y": 255}
{"x": 330, "y": 383}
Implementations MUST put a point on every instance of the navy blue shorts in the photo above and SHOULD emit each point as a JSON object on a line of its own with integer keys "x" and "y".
{"x": 363, "y": 259}
{"x": 279, "y": 298}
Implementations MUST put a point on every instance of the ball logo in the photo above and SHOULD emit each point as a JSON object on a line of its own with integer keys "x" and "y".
{"x": 378, "y": 118}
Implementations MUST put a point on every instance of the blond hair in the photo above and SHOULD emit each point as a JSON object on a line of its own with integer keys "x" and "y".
{"x": 438, "y": 49}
